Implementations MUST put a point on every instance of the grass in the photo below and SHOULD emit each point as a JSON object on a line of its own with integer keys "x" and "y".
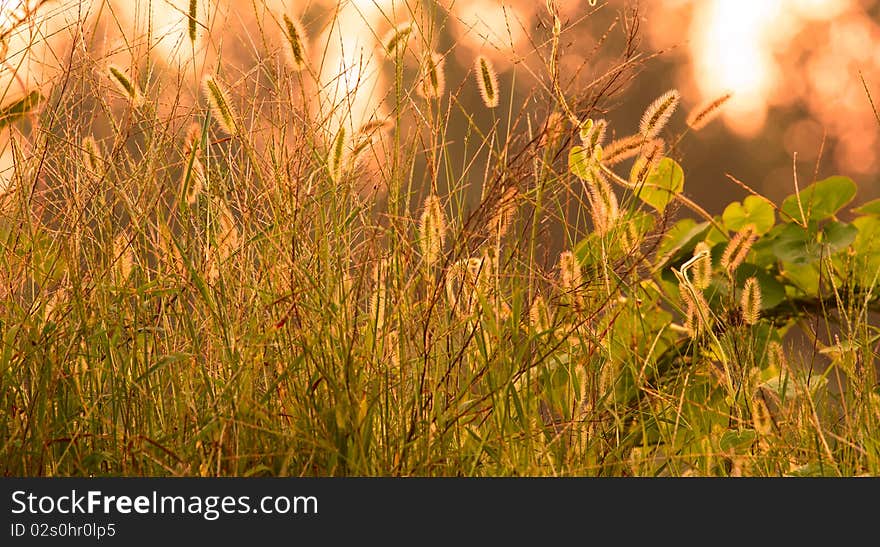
{"x": 277, "y": 300}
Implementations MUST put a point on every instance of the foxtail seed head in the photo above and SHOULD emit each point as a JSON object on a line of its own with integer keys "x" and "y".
{"x": 761, "y": 417}
{"x": 658, "y": 113}
{"x": 702, "y": 267}
{"x": 738, "y": 248}
{"x": 751, "y": 301}
{"x": 126, "y": 85}
{"x": 92, "y": 158}
{"x": 706, "y": 112}
{"x": 622, "y": 149}
{"x": 337, "y": 156}
{"x": 296, "y": 43}
{"x": 652, "y": 153}
{"x": 503, "y": 212}
{"x": 396, "y": 39}
{"x": 193, "y": 184}
{"x": 432, "y": 230}
{"x": 221, "y": 107}
{"x": 192, "y": 21}
{"x": 539, "y": 315}
{"x": 433, "y": 77}
{"x": 487, "y": 81}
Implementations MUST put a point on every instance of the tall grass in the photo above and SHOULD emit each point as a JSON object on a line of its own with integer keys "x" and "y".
{"x": 241, "y": 288}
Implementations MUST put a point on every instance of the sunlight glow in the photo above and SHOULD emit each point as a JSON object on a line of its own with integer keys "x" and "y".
{"x": 735, "y": 46}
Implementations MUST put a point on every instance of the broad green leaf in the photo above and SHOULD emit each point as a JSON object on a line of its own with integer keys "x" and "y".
{"x": 752, "y": 210}
{"x": 820, "y": 200}
{"x": 867, "y": 240}
{"x": 662, "y": 185}
{"x": 838, "y": 235}
{"x": 681, "y": 238}
{"x": 796, "y": 245}
{"x": 870, "y": 208}
{"x": 580, "y": 163}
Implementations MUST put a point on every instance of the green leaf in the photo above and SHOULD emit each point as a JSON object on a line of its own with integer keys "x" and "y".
{"x": 870, "y": 208}
{"x": 681, "y": 238}
{"x": 737, "y": 440}
{"x": 664, "y": 183}
{"x": 796, "y": 245}
{"x": 820, "y": 200}
{"x": 866, "y": 241}
{"x": 753, "y": 210}
{"x": 580, "y": 162}
{"x": 19, "y": 108}
{"x": 838, "y": 235}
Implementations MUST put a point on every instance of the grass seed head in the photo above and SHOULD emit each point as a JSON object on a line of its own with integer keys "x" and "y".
{"x": 751, "y": 301}
{"x": 738, "y": 248}
{"x": 433, "y": 81}
{"x": 193, "y": 21}
{"x": 296, "y": 38}
{"x": 432, "y": 230}
{"x": 487, "y": 81}
{"x": 221, "y": 107}
{"x": 503, "y": 212}
{"x": 658, "y": 113}
{"x": 702, "y": 267}
{"x": 92, "y": 157}
{"x": 337, "y": 156}
{"x": 622, "y": 149}
{"x": 395, "y": 41}
{"x": 126, "y": 85}
{"x": 700, "y": 116}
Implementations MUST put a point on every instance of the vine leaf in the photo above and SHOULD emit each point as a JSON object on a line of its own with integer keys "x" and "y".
{"x": 664, "y": 183}
{"x": 753, "y": 210}
{"x": 821, "y": 200}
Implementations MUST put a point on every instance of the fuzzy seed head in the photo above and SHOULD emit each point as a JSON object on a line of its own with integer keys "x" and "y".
{"x": 368, "y": 132}
{"x": 92, "y": 158}
{"x": 622, "y": 149}
{"x": 221, "y": 107}
{"x": 751, "y": 301}
{"x": 337, "y": 157}
{"x": 604, "y": 206}
{"x": 194, "y": 171}
{"x": 706, "y": 112}
{"x": 697, "y": 311}
{"x": 738, "y": 248}
{"x": 432, "y": 230}
{"x": 570, "y": 277}
{"x": 379, "y": 297}
{"x": 123, "y": 254}
{"x": 539, "y": 315}
{"x": 761, "y": 418}
{"x": 433, "y": 81}
{"x": 553, "y": 130}
{"x": 193, "y": 22}
{"x": 504, "y": 212}
{"x": 652, "y": 153}
{"x": 296, "y": 38}
{"x": 395, "y": 41}
{"x": 658, "y": 113}
{"x": 487, "y": 81}
{"x": 702, "y": 267}
{"x": 126, "y": 85}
